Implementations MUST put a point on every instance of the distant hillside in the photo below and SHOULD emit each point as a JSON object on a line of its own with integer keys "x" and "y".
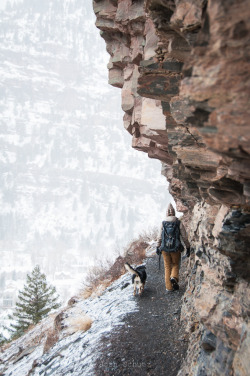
{"x": 72, "y": 189}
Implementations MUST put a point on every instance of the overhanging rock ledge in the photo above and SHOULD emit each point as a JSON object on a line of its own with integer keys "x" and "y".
{"x": 183, "y": 69}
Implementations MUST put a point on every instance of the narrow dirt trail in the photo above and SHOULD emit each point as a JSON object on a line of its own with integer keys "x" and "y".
{"x": 151, "y": 341}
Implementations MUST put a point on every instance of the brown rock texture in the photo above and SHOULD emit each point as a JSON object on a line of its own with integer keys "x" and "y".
{"x": 183, "y": 69}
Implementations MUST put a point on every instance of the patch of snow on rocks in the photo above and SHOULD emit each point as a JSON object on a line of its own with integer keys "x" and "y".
{"x": 76, "y": 354}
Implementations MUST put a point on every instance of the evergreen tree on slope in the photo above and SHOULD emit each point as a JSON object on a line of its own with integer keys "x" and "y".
{"x": 34, "y": 303}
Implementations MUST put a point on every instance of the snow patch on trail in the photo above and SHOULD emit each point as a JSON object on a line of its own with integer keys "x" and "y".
{"x": 76, "y": 354}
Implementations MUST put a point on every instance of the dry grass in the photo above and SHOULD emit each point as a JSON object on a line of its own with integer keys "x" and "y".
{"x": 149, "y": 235}
{"x": 76, "y": 323}
{"x": 102, "y": 275}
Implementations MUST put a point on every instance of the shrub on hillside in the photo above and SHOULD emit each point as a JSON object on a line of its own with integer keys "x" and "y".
{"x": 105, "y": 272}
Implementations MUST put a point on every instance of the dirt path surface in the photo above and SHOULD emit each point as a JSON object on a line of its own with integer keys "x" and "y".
{"x": 152, "y": 340}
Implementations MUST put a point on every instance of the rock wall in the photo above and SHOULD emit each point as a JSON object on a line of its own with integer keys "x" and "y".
{"x": 183, "y": 69}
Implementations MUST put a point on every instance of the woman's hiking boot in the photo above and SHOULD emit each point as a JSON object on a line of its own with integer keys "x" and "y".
{"x": 174, "y": 283}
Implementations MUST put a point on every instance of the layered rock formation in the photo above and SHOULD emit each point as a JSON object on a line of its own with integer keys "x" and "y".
{"x": 183, "y": 67}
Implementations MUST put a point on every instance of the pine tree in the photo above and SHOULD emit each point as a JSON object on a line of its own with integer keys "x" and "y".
{"x": 34, "y": 303}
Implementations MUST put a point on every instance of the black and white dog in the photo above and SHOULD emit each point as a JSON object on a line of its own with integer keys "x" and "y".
{"x": 139, "y": 277}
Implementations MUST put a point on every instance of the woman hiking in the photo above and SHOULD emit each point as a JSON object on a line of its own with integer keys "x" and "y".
{"x": 169, "y": 243}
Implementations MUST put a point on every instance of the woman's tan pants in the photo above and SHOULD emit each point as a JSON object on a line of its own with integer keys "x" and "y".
{"x": 171, "y": 266}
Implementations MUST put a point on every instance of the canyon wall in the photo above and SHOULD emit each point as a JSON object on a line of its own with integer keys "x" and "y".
{"x": 183, "y": 69}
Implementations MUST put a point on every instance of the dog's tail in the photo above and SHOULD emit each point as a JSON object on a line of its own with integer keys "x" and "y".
{"x": 130, "y": 269}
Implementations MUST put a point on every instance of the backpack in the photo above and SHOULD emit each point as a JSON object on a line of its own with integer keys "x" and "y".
{"x": 170, "y": 237}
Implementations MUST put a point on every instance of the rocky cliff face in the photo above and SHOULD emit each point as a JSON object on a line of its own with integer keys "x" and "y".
{"x": 183, "y": 68}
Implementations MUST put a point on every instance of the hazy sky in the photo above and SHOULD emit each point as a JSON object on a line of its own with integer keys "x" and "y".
{"x": 3, "y": 3}
{"x": 67, "y": 196}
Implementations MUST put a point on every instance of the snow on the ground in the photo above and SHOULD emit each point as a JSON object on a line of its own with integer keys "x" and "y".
{"x": 74, "y": 354}
{"x": 151, "y": 249}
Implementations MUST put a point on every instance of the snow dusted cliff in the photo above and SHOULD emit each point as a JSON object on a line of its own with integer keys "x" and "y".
{"x": 72, "y": 353}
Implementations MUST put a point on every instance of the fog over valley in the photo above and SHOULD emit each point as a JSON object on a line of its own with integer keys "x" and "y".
{"x": 72, "y": 188}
